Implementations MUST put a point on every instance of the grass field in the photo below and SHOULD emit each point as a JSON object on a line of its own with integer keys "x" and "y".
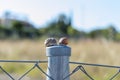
{"x": 99, "y": 51}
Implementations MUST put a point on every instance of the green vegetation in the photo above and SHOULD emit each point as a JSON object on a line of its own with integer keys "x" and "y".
{"x": 60, "y": 26}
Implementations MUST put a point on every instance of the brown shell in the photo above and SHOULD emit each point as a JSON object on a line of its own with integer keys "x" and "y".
{"x": 63, "y": 41}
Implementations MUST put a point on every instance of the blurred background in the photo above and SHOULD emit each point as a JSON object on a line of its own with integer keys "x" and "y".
{"x": 92, "y": 26}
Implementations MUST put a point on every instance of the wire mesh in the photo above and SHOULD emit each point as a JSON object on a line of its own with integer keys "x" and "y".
{"x": 36, "y": 70}
{"x": 30, "y": 70}
{"x": 94, "y": 71}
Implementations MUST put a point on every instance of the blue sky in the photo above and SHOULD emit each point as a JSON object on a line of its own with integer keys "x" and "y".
{"x": 86, "y": 14}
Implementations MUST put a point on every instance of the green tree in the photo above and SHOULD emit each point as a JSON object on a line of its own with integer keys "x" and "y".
{"x": 18, "y": 28}
{"x": 60, "y": 27}
{"x": 112, "y": 32}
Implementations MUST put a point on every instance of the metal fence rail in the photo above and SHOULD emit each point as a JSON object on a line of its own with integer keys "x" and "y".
{"x": 37, "y": 64}
{"x": 81, "y": 68}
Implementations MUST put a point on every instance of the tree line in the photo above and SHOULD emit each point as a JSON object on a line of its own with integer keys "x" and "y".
{"x": 60, "y": 26}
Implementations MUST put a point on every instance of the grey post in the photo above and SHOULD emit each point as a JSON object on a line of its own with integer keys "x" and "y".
{"x": 58, "y": 62}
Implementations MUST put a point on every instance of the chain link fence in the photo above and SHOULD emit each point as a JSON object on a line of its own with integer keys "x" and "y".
{"x": 36, "y": 70}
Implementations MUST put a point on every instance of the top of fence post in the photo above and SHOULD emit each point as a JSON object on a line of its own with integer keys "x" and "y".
{"x": 58, "y": 50}
{"x": 58, "y": 59}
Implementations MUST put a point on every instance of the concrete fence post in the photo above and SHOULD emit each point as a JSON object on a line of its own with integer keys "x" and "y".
{"x": 58, "y": 62}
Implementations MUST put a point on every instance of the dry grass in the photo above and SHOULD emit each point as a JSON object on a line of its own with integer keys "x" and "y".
{"x": 90, "y": 51}
{"x": 25, "y": 49}
{"x": 96, "y": 51}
